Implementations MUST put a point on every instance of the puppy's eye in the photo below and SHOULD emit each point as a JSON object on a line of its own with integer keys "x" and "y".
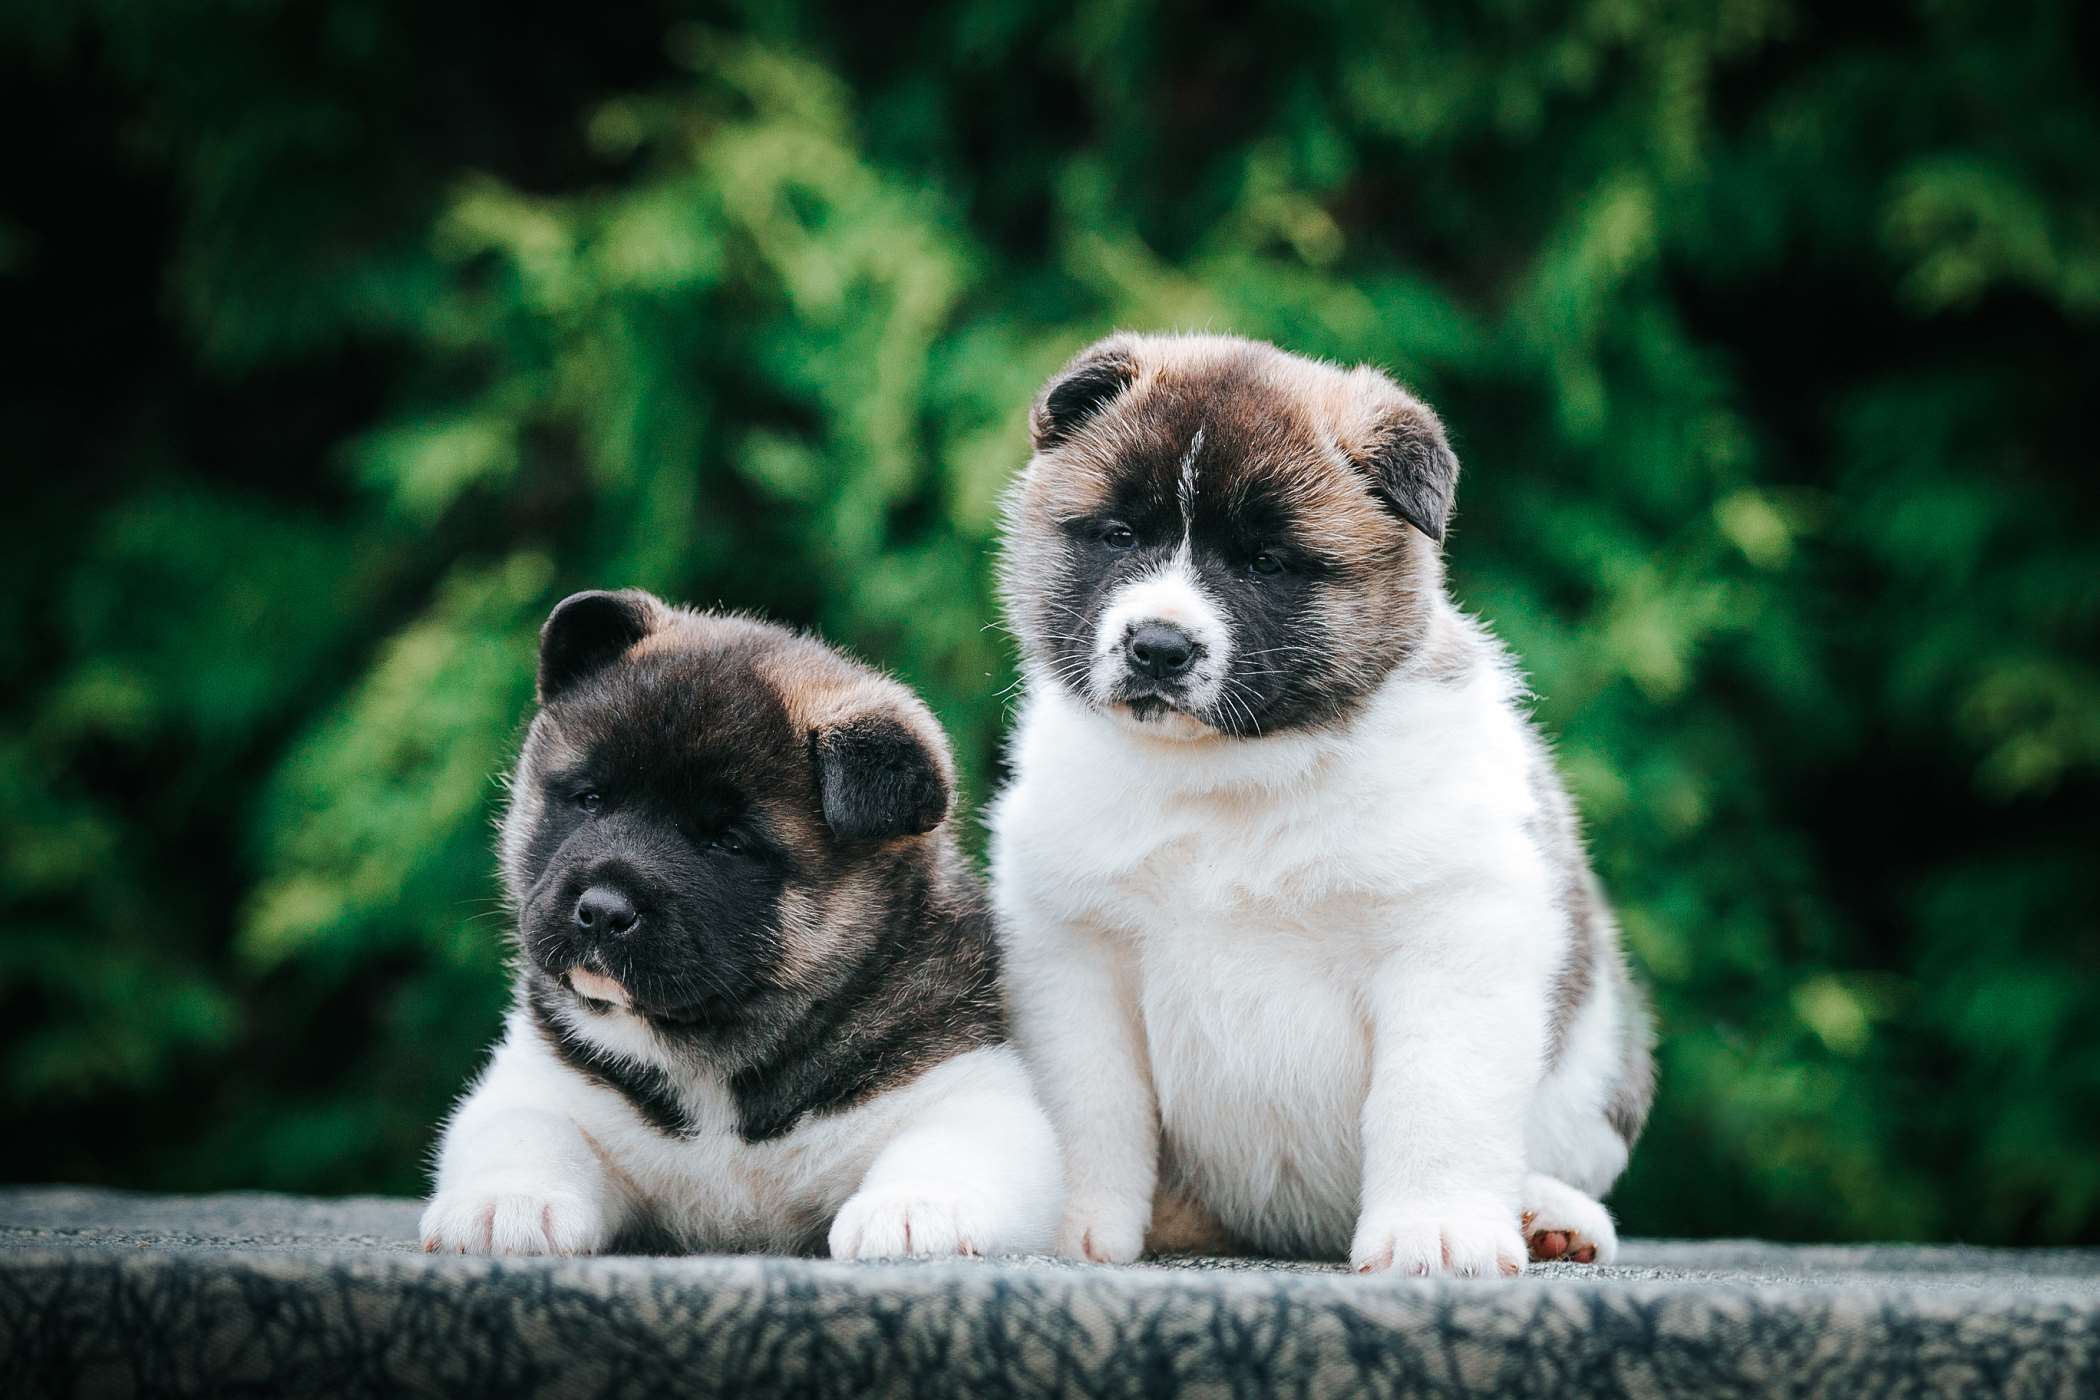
{"x": 591, "y": 801}
{"x": 1119, "y": 537}
{"x": 1266, "y": 564}
{"x": 731, "y": 842}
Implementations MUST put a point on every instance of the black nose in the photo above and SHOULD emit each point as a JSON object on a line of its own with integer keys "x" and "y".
{"x": 604, "y": 912}
{"x": 1160, "y": 649}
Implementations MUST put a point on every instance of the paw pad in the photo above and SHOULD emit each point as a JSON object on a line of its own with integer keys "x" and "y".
{"x": 1549, "y": 1245}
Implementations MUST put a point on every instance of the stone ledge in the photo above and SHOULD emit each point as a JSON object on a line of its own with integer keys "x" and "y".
{"x": 112, "y": 1293}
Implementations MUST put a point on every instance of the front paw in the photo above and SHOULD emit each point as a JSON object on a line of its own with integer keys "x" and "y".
{"x": 921, "y": 1221}
{"x": 1467, "y": 1239}
{"x": 513, "y": 1222}
{"x": 1096, "y": 1234}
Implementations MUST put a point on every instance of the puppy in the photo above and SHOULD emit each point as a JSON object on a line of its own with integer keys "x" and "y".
{"x": 757, "y": 992}
{"x": 1300, "y": 930}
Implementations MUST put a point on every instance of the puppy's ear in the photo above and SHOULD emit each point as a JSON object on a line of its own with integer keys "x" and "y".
{"x": 1409, "y": 460}
{"x": 587, "y": 632}
{"x": 1082, "y": 389}
{"x": 878, "y": 779}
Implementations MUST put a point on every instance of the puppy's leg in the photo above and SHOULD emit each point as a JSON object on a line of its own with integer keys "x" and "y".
{"x": 1076, "y": 1019}
{"x": 1457, "y": 1037}
{"x": 516, "y": 1176}
{"x": 973, "y": 1172}
{"x": 1561, "y": 1222}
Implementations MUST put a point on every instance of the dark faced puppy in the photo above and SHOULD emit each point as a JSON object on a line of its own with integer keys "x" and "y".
{"x": 758, "y": 1002}
{"x": 723, "y": 830}
{"x": 1214, "y": 531}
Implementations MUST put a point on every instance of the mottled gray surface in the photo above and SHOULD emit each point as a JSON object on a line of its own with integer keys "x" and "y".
{"x": 104, "y": 1292}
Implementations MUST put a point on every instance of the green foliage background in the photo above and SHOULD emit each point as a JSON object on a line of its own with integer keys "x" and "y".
{"x": 354, "y": 335}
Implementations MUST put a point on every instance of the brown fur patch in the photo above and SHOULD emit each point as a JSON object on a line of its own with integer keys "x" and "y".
{"x": 1553, "y": 829}
{"x": 1309, "y": 426}
{"x": 1181, "y": 1224}
{"x": 1634, "y": 1093}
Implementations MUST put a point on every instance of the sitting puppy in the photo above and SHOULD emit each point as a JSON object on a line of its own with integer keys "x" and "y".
{"x": 1299, "y": 926}
{"x": 757, "y": 1002}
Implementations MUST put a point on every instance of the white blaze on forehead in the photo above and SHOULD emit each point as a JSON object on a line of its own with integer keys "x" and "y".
{"x": 1185, "y": 492}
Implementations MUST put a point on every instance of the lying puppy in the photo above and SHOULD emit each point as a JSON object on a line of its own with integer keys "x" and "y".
{"x": 1299, "y": 925}
{"x": 757, "y": 1002}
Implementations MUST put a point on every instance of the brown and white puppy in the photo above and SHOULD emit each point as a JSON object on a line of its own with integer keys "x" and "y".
{"x": 1299, "y": 924}
{"x": 757, "y": 1002}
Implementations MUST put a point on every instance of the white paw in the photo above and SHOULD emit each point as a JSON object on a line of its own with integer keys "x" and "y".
{"x": 1467, "y": 1239}
{"x": 1560, "y": 1222}
{"x": 513, "y": 1222}
{"x": 1102, "y": 1235}
{"x": 913, "y": 1221}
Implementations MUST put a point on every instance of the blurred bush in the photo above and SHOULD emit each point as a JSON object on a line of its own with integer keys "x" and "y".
{"x": 352, "y": 336}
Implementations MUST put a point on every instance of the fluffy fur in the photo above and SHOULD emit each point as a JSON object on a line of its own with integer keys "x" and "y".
{"x": 757, "y": 1001}
{"x": 1301, "y": 937}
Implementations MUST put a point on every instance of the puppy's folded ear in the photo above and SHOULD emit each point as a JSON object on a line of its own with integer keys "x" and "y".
{"x": 1403, "y": 448}
{"x": 879, "y": 779}
{"x": 587, "y": 632}
{"x": 1082, "y": 389}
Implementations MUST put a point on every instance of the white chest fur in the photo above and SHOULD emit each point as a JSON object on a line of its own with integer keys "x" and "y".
{"x": 1259, "y": 1055}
